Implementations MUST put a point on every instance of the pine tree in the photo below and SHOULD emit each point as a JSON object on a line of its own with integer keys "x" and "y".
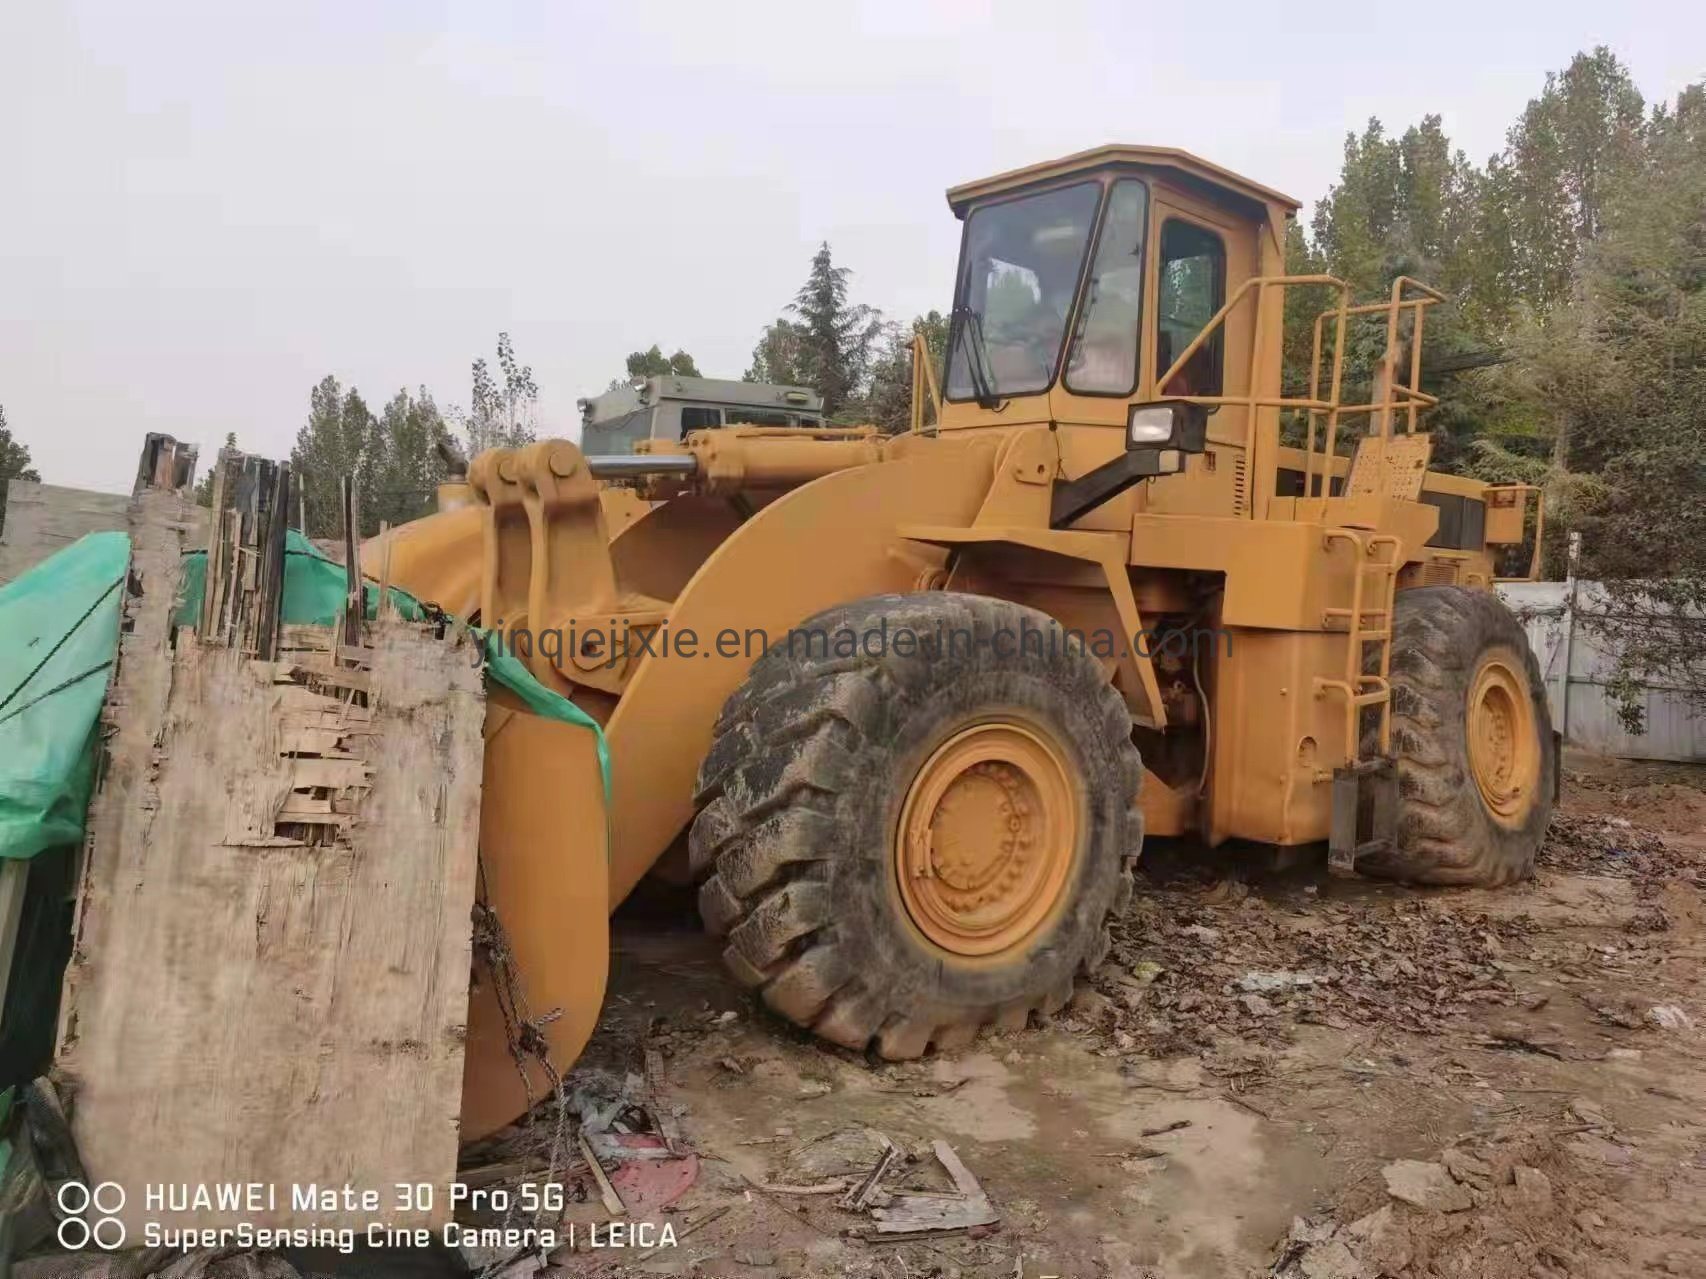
{"x": 836, "y": 338}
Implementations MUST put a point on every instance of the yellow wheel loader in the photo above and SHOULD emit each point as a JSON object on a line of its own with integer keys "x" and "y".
{"x": 904, "y": 707}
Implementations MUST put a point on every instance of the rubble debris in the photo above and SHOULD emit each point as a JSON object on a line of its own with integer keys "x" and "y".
{"x": 661, "y": 1114}
{"x": 1403, "y": 964}
{"x": 1425, "y": 1185}
{"x": 915, "y": 1213}
{"x": 859, "y": 1197}
{"x": 1669, "y": 1017}
{"x": 1531, "y": 1189}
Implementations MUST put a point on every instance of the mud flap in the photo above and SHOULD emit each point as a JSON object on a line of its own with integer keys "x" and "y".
{"x": 1364, "y": 791}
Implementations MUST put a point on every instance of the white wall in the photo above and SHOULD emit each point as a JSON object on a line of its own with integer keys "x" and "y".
{"x": 1580, "y": 705}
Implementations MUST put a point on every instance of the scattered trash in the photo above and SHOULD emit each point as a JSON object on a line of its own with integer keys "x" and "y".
{"x": 1145, "y": 971}
{"x": 645, "y": 1184}
{"x": 860, "y": 1195}
{"x": 612, "y": 1201}
{"x": 908, "y": 1213}
{"x": 822, "y": 1188}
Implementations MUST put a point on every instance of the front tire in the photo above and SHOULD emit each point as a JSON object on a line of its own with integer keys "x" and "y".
{"x": 906, "y": 846}
{"x": 1472, "y": 735}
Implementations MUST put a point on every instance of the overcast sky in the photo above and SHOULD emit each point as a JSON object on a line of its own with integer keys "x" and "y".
{"x": 207, "y": 207}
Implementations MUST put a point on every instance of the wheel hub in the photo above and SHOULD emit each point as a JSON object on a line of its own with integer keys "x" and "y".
{"x": 987, "y": 837}
{"x": 1504, "y": 751}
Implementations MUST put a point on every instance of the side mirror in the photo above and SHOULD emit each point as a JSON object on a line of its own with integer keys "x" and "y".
{"x": 1168, "y": 424}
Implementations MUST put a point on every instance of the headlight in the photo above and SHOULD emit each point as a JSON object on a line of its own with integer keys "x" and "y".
{"x": 1151, "y": 425}
{"x": 1172, "y": 424}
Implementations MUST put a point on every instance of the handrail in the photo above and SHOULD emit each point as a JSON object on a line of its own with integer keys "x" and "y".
{"x": 923, "y": 379}
{"x": 1326, "y": 412}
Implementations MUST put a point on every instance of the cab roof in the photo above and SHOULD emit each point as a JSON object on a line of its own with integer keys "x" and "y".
{"x": 1117, "y": 153}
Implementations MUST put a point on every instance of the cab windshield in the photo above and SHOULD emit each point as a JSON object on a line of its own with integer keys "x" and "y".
{"x": 1018, "y": 277}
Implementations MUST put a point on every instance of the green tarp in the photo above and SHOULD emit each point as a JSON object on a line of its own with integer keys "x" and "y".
{"x": 58, "y": 637}
{"x": 313, "y": 595}
{"x": 314, "y": 587}
{"x": 59, "y": 627}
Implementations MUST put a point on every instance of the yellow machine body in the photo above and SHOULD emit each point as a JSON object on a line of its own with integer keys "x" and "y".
{"x": 647, "y": 601}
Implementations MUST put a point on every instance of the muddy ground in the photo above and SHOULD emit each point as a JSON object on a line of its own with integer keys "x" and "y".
{"x": 1239, "y": 1091}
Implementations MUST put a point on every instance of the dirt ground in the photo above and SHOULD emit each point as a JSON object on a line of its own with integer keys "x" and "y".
{"x": 1239, "y": 1091}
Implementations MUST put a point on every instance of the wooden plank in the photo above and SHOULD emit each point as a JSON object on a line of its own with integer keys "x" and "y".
{"x": 355, "y": 599}
{"x": 244, "y": 581}
{"x": 270, "y": 981}
{"x": 612, "y": 1201}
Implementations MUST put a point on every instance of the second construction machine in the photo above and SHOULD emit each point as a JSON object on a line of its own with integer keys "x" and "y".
{"x": 904, "y": 707}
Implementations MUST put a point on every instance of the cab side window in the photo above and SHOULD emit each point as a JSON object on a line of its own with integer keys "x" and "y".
{"x": 1192, "y": 287}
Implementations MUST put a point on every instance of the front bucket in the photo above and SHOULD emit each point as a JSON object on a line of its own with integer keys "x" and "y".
{"x": 545, "y": 879}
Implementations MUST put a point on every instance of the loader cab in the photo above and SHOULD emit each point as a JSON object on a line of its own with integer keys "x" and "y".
{"x": 1080, "y": 284}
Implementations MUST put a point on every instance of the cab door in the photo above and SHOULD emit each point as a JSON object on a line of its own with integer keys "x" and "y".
{"x": 1201, "y": 255}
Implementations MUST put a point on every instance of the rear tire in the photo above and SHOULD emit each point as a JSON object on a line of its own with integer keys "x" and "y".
{"x": 1473, "y": 740}
{"x": 1017, "y": 780}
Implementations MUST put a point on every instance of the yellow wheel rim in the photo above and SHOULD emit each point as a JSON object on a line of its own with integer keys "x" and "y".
{"x": 987, "y": 838}
{"x": 1504, "y": 748}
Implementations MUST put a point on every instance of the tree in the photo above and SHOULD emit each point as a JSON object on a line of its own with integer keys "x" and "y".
{"x": 1633, "y": 337}
{"x": 406, "y": 465}
{"x": 14, "y": 463}
{"x": 338, "y": 439}
{"x": 776, "y": 359}
{"x": 1573, "y": 145}
{"x": 828, "y": 345}
{"x": 654, "y": 363}
{"x": 500, "y": 415}
{"x": 888, "y": 398}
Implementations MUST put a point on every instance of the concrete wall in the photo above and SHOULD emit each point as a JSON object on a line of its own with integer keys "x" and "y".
{"x": 44, "y": 518}
{"x": 1575, "y": 686}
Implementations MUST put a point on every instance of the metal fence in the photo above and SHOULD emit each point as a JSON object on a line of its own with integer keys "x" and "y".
{"x": 1577, "y": 664}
